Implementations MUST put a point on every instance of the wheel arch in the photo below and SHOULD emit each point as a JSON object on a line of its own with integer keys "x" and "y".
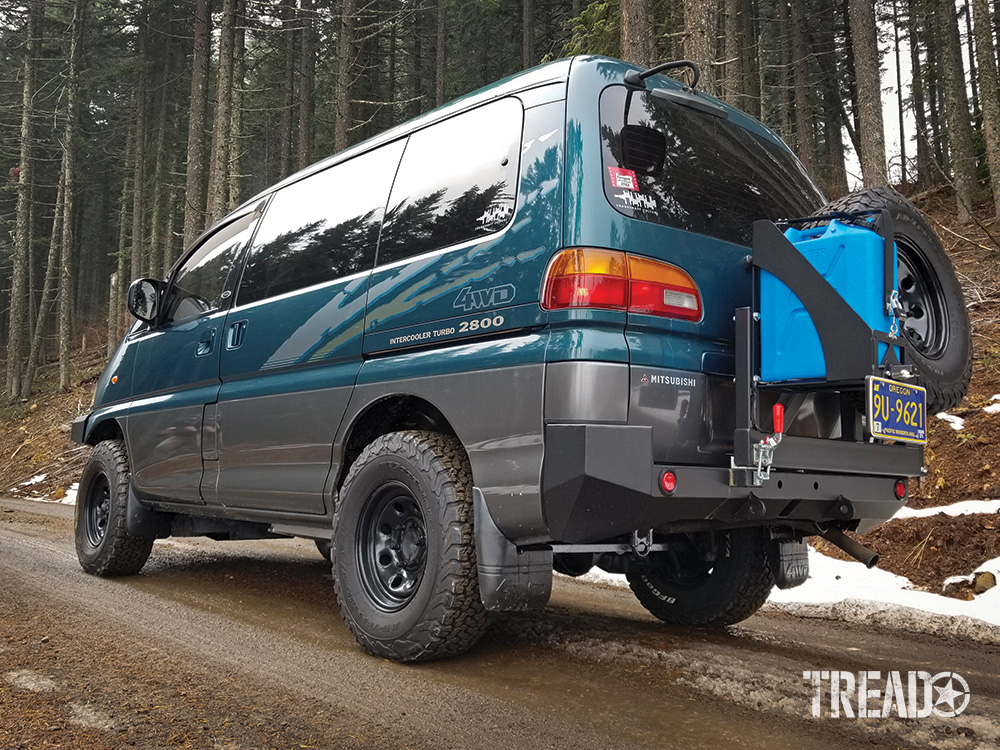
{"x": 393, "y": 413}
{"x": 108, "y": 428}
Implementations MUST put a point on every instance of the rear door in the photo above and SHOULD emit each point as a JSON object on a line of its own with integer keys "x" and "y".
{"x": 292, "y": 344}
{"x": 176, "y": 372}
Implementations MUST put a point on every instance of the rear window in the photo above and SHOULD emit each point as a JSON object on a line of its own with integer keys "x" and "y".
{"x": 696, "y": 172}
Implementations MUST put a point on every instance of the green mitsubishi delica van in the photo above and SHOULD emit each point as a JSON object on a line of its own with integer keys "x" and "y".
{"x": 587, "y": 316}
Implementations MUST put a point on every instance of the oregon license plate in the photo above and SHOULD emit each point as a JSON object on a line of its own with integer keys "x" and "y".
{"x": 897, "y": 411}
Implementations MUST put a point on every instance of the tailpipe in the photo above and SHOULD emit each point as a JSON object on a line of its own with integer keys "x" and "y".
{"x": 855, "y": 549}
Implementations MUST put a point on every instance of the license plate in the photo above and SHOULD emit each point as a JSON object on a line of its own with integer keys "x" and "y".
{"x": 897, "y": 411}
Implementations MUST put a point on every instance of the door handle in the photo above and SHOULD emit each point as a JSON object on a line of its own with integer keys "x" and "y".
{"x": 206, "y": 344}
{"x": 236, "y": 332}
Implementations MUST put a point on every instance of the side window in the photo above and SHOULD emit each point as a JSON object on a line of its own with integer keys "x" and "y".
{"x": 322, "y": 227}
{"x": 457, "y": 182}
{"x": 199, "y": 283}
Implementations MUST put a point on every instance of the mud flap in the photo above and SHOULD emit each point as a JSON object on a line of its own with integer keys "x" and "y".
{"x": 509, "y": 579}
{"x": 789, "y": 563}
{"x": 144, "y": 522}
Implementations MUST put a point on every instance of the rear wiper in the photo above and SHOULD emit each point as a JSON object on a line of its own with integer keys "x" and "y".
{"x": 686, "y": 96}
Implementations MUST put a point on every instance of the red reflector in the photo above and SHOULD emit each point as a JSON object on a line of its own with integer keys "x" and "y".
{"x": 900, "y": 489}
{"x": 668, "y": 482}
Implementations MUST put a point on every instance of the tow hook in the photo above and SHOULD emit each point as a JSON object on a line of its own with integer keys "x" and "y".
{"x": 763, "y": 451}
{"x": 641, "y": 545}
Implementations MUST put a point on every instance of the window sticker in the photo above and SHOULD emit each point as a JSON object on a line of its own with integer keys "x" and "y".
{"x": 623, "y": 178}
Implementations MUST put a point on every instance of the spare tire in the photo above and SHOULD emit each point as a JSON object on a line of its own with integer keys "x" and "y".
{"x": 937, "y": 325}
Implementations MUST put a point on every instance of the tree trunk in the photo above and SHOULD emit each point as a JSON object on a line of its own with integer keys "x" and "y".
{"x": 20, "y": 290}
{"x": 960, "y": 140}
{"x": 307, "y": 68}
{"x": 924, "y": 172}
{"x": 637, "y": 47}
{"x": 288, "y": 35}
{"x": 733, "y": 75}
{"x": 699, "y": 43}
{"x": 440, "y": 68}
{"x": 899, "y": 95}
{"x": 527, "y": 33}
{"x": 66, "y": 278}
{"x": 48, "y": 292}
{"x": 801, "y": 52}
{"x": 139, "y": 182}
{"x": 345, "y": 72}
{"x": 234, "y": 190}
{"x": 866, "y": 67}
{"x": 194, "y": 185}
{"x": 990, "y": 104}
{"x": 218, "y": 175}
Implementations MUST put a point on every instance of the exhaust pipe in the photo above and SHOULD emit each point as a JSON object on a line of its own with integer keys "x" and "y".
{"x": 855, "y": 549}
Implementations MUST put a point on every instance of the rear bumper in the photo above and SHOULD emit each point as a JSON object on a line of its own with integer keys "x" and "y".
{"x": 600, "y": 481}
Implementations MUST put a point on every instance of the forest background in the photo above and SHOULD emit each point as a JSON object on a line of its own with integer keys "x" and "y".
{"x": 127, "y": 127}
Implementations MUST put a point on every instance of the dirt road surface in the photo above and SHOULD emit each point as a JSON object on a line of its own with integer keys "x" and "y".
{"x": 238, "y": 646}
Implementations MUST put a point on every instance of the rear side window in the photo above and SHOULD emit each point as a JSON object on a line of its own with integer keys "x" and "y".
{"x": 673, "y": 165}
{"x": 321, "y": 228}
{"x": 457, "y": 182}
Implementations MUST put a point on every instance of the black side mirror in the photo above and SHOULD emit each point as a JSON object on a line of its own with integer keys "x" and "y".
{"x": 643, "y": 149}
{"x": 143, "y": 299}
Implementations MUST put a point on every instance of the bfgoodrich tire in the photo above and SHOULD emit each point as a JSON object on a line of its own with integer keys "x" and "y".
{"x": 404, "y": 562}
{"x": 937, "y": 325}
{"x": 103, "y": 546}
{"x": 710, "y": 579}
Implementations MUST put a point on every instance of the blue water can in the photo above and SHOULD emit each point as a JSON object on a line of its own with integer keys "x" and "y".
{"x": 851, "y": 260}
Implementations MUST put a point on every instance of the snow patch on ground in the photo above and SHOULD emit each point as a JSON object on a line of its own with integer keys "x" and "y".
{"x": 35, "y": 480}
{"x": 25, "y": 679}
{"x": 964, "y": 508}
{"x": 993, "y": 408}
{"x": 957, "y": 423}
{"x": 91, "y": 718}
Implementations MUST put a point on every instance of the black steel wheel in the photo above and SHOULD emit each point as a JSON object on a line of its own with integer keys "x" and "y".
{"x": 937, "y": 324}
{"x": 103, "y": 545}
{"x": 391, "y": 546}
{"x": 404, "y": 563}
{"x": 709, "y": 579}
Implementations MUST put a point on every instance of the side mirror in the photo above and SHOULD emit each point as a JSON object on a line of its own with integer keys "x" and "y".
{"x": 143, "y": 299}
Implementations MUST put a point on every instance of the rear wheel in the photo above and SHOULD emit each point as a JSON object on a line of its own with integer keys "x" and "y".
{"x": 937, "y": 323}
{"x": 103, "y": 545}
{"x": 708, "y": 579}
{"x": 404, "y": 562}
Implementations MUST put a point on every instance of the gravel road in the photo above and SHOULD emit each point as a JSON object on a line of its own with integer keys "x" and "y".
{"x": 238, "y": 646}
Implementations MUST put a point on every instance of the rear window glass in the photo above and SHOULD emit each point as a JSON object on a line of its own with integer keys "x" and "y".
{"x": 697, "y": 172}
{"x": 457, "y": 182}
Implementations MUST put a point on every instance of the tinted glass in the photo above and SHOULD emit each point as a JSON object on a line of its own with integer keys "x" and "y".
{"x": 457, "y": 182}
{"x": 321, "y": 228}
{"x": 713, "y": 177}
{"x": 201, "y": 280}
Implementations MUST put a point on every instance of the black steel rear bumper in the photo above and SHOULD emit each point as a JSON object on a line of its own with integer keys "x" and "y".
{"x": 599, "y": 481}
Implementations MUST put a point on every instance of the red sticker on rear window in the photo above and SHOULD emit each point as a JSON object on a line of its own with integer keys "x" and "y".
{"x": 623, "y": 178}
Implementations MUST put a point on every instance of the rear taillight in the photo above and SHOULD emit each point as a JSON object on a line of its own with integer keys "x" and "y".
{"x": 586, "y": 277}
{"x": 612, "y": 280}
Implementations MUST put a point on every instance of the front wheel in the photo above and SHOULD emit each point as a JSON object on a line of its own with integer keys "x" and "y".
{"x": 709, "y": 579}
{"x": 103, "y": 545}
{"x": 404, "y": 562}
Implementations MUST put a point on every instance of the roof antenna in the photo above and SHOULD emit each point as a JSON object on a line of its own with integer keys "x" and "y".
{"x": 636, "y": 78}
